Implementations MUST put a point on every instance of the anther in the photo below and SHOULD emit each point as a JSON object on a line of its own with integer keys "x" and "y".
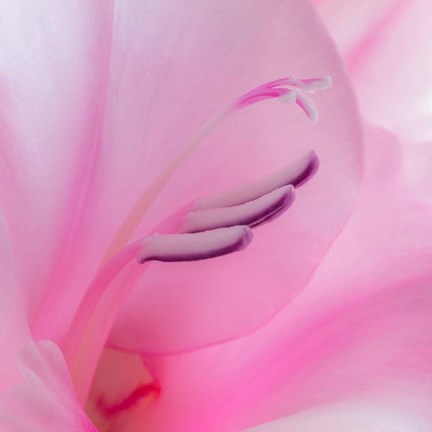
{"x": 252, "y": 213}
{"x": 194, "y": 247}
{"x": 285, "y": 89}
{"x": 295, "y": 174}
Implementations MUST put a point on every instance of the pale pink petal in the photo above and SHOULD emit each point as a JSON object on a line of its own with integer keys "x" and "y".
{"x": 355, "y": 416}
{"x": 180, "y": 306}
{"x": 385, "y": 45}
{"x": 358, "y": 332}
{"x": 44, "y": 400}
{"x": 53, "y": 65}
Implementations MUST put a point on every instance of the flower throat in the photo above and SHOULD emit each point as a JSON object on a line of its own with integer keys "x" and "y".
{"x": 205, "y": 228}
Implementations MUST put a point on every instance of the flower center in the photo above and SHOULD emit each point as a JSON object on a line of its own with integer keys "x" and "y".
{"x": 206, "y": 228}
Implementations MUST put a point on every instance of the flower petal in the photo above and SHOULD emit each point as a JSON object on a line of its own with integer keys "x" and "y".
{"x": 45, "y": 399}
{"x": 13, "y": 312}
{"x": 53, "y": 63}
{"x": 357, "y": 416}
{"x": 384, "y": 44}
{"x": 357, "y": 333}
{"x": 77, "y": 156}
{"x": 233, "y": 296}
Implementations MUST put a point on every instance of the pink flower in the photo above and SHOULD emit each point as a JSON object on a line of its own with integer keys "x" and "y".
{"x": 135, "y": 147}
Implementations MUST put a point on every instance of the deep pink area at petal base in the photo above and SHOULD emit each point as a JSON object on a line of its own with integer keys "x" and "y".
{"x": 182, "y": 306}
{"x": 356, "y": 337}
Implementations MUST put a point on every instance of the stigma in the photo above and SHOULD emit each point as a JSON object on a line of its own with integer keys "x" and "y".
{"x": 287, "y": 90}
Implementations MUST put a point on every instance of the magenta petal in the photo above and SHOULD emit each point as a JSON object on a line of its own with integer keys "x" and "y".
{"x": 44, "y": 400}
{"x": 181, "y": 306}
{"x": 357, "y": 338}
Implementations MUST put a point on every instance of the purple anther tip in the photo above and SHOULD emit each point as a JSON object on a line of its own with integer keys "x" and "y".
{"x": 279, "y": 207}
{"x": 309, "y": 170}
{"x": 296, "y": 174}
{"x": 196, "y": 246}
{"x": 251, "y": 213}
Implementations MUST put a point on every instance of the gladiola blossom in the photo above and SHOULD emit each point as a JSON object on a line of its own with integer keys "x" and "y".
{"x": 187, "y": 245}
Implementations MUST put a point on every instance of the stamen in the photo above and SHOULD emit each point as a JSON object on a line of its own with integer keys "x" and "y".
{"x": 282, "y": 89}
{"x": 253, "y": 213}
{"x": 252, "y": 205}
{"x": 295, "y": 174}
{"x": 249, "y": 206}
{"x": 194, "y": 247}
